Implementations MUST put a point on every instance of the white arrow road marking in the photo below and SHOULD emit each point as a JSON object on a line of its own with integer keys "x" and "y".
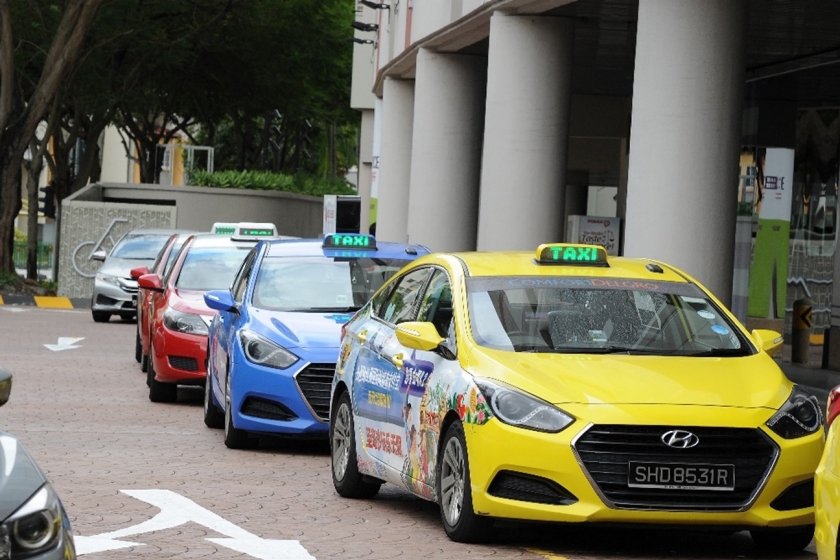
{"x": 65, "y": 343}
{"x": 177, "y": 510}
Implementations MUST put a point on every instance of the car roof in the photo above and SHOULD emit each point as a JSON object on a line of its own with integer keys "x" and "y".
{"x": 216, "y": 240}
{"x": 314, "y": 247}
{"x": 524, "y": 263}
{"x": 158, "y": 231}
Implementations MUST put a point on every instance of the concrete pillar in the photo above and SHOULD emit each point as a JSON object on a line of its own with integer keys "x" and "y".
{"x": 526, "y": 132}
{"x": 395, "y": 161}
{"x": 446, "y": 150}
{"x": 685, "y": 136}
{"x": 365, "y": 169}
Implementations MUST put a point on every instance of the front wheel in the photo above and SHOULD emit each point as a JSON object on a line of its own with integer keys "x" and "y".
{"x": 138, "y": 348}
{"x": 213, "y": 416}
{"x": 455, "y": 491}
{"x": 160, "y": 392}
{"x": 234, "y": 437}
{"x": 348, "y": 482}
{"x": 101, "y": 316}
{"x": 783, "y": 539}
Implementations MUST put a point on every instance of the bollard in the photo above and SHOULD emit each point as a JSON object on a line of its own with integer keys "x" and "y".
{"x": 801, "y": 330}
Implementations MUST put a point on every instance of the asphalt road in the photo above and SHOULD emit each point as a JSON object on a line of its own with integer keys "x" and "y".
{"x": 145, "y": 480}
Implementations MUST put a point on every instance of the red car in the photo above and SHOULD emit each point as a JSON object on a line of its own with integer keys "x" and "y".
{"x": 146, "y": 299}
{"x": 179, "y": 318}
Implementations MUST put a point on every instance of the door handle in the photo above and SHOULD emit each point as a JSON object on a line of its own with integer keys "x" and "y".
{"x": 397, "y": 360}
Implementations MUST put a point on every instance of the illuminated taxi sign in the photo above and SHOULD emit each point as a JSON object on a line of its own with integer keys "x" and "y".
{"x": 220, "y": 228}
{"x": 255, "y": 232}
{"x": 354, "y": 241}
{"x": 573, "y": 254}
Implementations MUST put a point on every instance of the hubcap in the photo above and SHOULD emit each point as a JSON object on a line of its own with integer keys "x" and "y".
{"x": 341, "y": 442}
{"x": 452, "y": 481}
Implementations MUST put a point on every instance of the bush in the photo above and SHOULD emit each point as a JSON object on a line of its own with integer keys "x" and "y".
{"x": 266, "y": 181}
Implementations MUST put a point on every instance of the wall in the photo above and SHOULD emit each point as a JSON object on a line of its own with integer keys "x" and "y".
{"x": 111, "y": 209}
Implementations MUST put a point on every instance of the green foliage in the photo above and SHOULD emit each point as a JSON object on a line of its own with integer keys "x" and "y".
{"x": 265, "y": 181}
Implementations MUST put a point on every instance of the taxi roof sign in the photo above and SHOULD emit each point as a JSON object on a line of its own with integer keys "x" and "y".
{"x": 355, "y": 241}
{"x": 245, "y": 231}
{"x": 572, "y": 254}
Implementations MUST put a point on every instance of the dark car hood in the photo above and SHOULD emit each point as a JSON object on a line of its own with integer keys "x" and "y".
{"x": 20, "y": 477}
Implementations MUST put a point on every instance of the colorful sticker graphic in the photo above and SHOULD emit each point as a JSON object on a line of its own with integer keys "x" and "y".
{"x": 706, "y": 314}
{"x": 471, "y": 406}
{"x": 720, "y": 329}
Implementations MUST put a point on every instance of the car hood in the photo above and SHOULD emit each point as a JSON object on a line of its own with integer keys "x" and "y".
{"x": 20, "y": 477}
{"x": 190, "y": 301}
{"x": 746, "y": 382}
{"x": 122, "y": 267}
{"x": 302, "y": 330}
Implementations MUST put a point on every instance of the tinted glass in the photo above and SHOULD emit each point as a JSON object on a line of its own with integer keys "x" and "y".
{"x": 139, "y": 246}
{"x": 400, "y": 304}
{"x": 538, "y": 314}
{"x": 436, "y": 306}
{"x": 320, "y": 283}
{"x": 210, "y": 268}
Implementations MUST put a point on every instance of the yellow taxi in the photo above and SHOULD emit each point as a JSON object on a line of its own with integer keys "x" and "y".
{"x": 564, "y": 385}
{"x": 828, "y": 484}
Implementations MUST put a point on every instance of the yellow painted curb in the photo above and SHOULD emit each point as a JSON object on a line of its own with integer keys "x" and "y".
{"x": 53, "y": 302}
{"x": 546, "y": 554}
{"x": 817, "y": 339}
{"x": 1, "y": 300}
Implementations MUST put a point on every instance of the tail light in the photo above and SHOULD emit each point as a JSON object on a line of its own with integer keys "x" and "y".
{"x": 832, "y": 408}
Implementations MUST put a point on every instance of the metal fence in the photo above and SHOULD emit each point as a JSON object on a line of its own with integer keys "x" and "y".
{"x": 45, "y": 254}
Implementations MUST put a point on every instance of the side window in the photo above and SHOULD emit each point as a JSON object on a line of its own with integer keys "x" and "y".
{"x": 436, "y": 306}
{"x": 240, "y": 282}
{"x": 399, "y": 306}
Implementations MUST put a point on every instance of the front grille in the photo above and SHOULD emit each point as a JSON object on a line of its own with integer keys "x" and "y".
{"x": 264, "y": 408}
{"x": 186, "y": 364}
{"x": 607, "y": 450}
{"x": 314, "y": 383}
{"x": 529, "y": 488}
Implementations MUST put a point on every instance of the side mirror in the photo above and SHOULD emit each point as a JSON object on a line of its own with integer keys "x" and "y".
{"x": 5, "y": 386}
{"x": 220, "y": 300}
{"x": 99, "y": 255}
{"x": 139, "y": 271}
{"x": 767, "y": 340}
{"x": 150, "y": 282}
{"x": 418, "y": 335}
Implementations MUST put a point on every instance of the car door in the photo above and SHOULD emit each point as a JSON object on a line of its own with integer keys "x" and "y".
{"x": 227, "y": 323}
{"x": 378, "y": 376}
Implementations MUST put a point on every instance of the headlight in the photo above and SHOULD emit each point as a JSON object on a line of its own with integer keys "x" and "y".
{"x": 798, "y": 417}
{"x": 36, "y": 525}
{"x": 520, "y": 409}
{"x": 108, "y": 279}
{"x": 189, "y": 323}
{"x": 264, "y": 352}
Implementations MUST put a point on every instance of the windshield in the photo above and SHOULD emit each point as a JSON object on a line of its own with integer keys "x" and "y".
{"x": 139, "y": 247}
{"x": 321, "y": 283}
{"x": 598, "y": 315}
{"x": 210, "y": 268}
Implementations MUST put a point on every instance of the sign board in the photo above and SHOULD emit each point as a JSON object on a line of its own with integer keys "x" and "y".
{"x": 594, "y": 230}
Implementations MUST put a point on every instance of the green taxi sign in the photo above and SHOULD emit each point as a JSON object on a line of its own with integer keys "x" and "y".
{"x": 355, "y": 241}
{"x": 572, "y": 254}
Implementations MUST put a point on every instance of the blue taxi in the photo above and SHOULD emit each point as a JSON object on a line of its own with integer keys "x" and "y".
{"x": 274, "y": 342}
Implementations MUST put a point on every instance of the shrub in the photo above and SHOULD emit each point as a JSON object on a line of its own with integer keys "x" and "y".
{"x": 267, "y": 181}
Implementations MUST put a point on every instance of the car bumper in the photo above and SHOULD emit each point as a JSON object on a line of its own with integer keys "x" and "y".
{"x": 554, "y": 462}
{"x": 108, "y": 297}
{"x": 179, "y": 358}
{"x": 294, "y": 401}
{"x": 827, "y": 497}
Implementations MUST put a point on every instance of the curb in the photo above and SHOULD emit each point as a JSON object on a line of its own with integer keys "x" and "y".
{"x": 46, "y": 302}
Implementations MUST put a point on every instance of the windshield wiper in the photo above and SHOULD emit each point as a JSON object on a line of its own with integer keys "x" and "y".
{"x": 716, "y": 353}
{"x": 329, "y": 309}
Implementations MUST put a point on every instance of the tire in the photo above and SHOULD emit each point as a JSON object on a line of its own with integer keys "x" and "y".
{"x": 784, "y": 539}
{"x": 234, "y": 437}
{"x": 214, "y": 417}
{"x": 138, "y": 348}
{"x": 348, "y": 482}
{"x": 454, "y": 491}
{"x": 101, "y": 316}
{"x": 128, "y": 316}
{"x": 160, "y": 392}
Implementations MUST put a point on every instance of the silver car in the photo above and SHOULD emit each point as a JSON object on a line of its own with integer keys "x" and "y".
{"x": 33, "y": 522}
{"x": 114, "y": 290}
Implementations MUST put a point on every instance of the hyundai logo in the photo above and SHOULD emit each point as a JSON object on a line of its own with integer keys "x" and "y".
{"x": 681, "y": 439}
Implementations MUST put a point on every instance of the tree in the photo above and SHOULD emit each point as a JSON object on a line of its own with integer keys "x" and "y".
{"x": 22, "y": 107}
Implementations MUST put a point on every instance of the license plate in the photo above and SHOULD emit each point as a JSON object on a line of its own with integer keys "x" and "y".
{"x": 679, "y": 476}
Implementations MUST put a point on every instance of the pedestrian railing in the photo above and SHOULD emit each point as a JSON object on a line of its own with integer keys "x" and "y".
{"x": 45, "y": 254}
